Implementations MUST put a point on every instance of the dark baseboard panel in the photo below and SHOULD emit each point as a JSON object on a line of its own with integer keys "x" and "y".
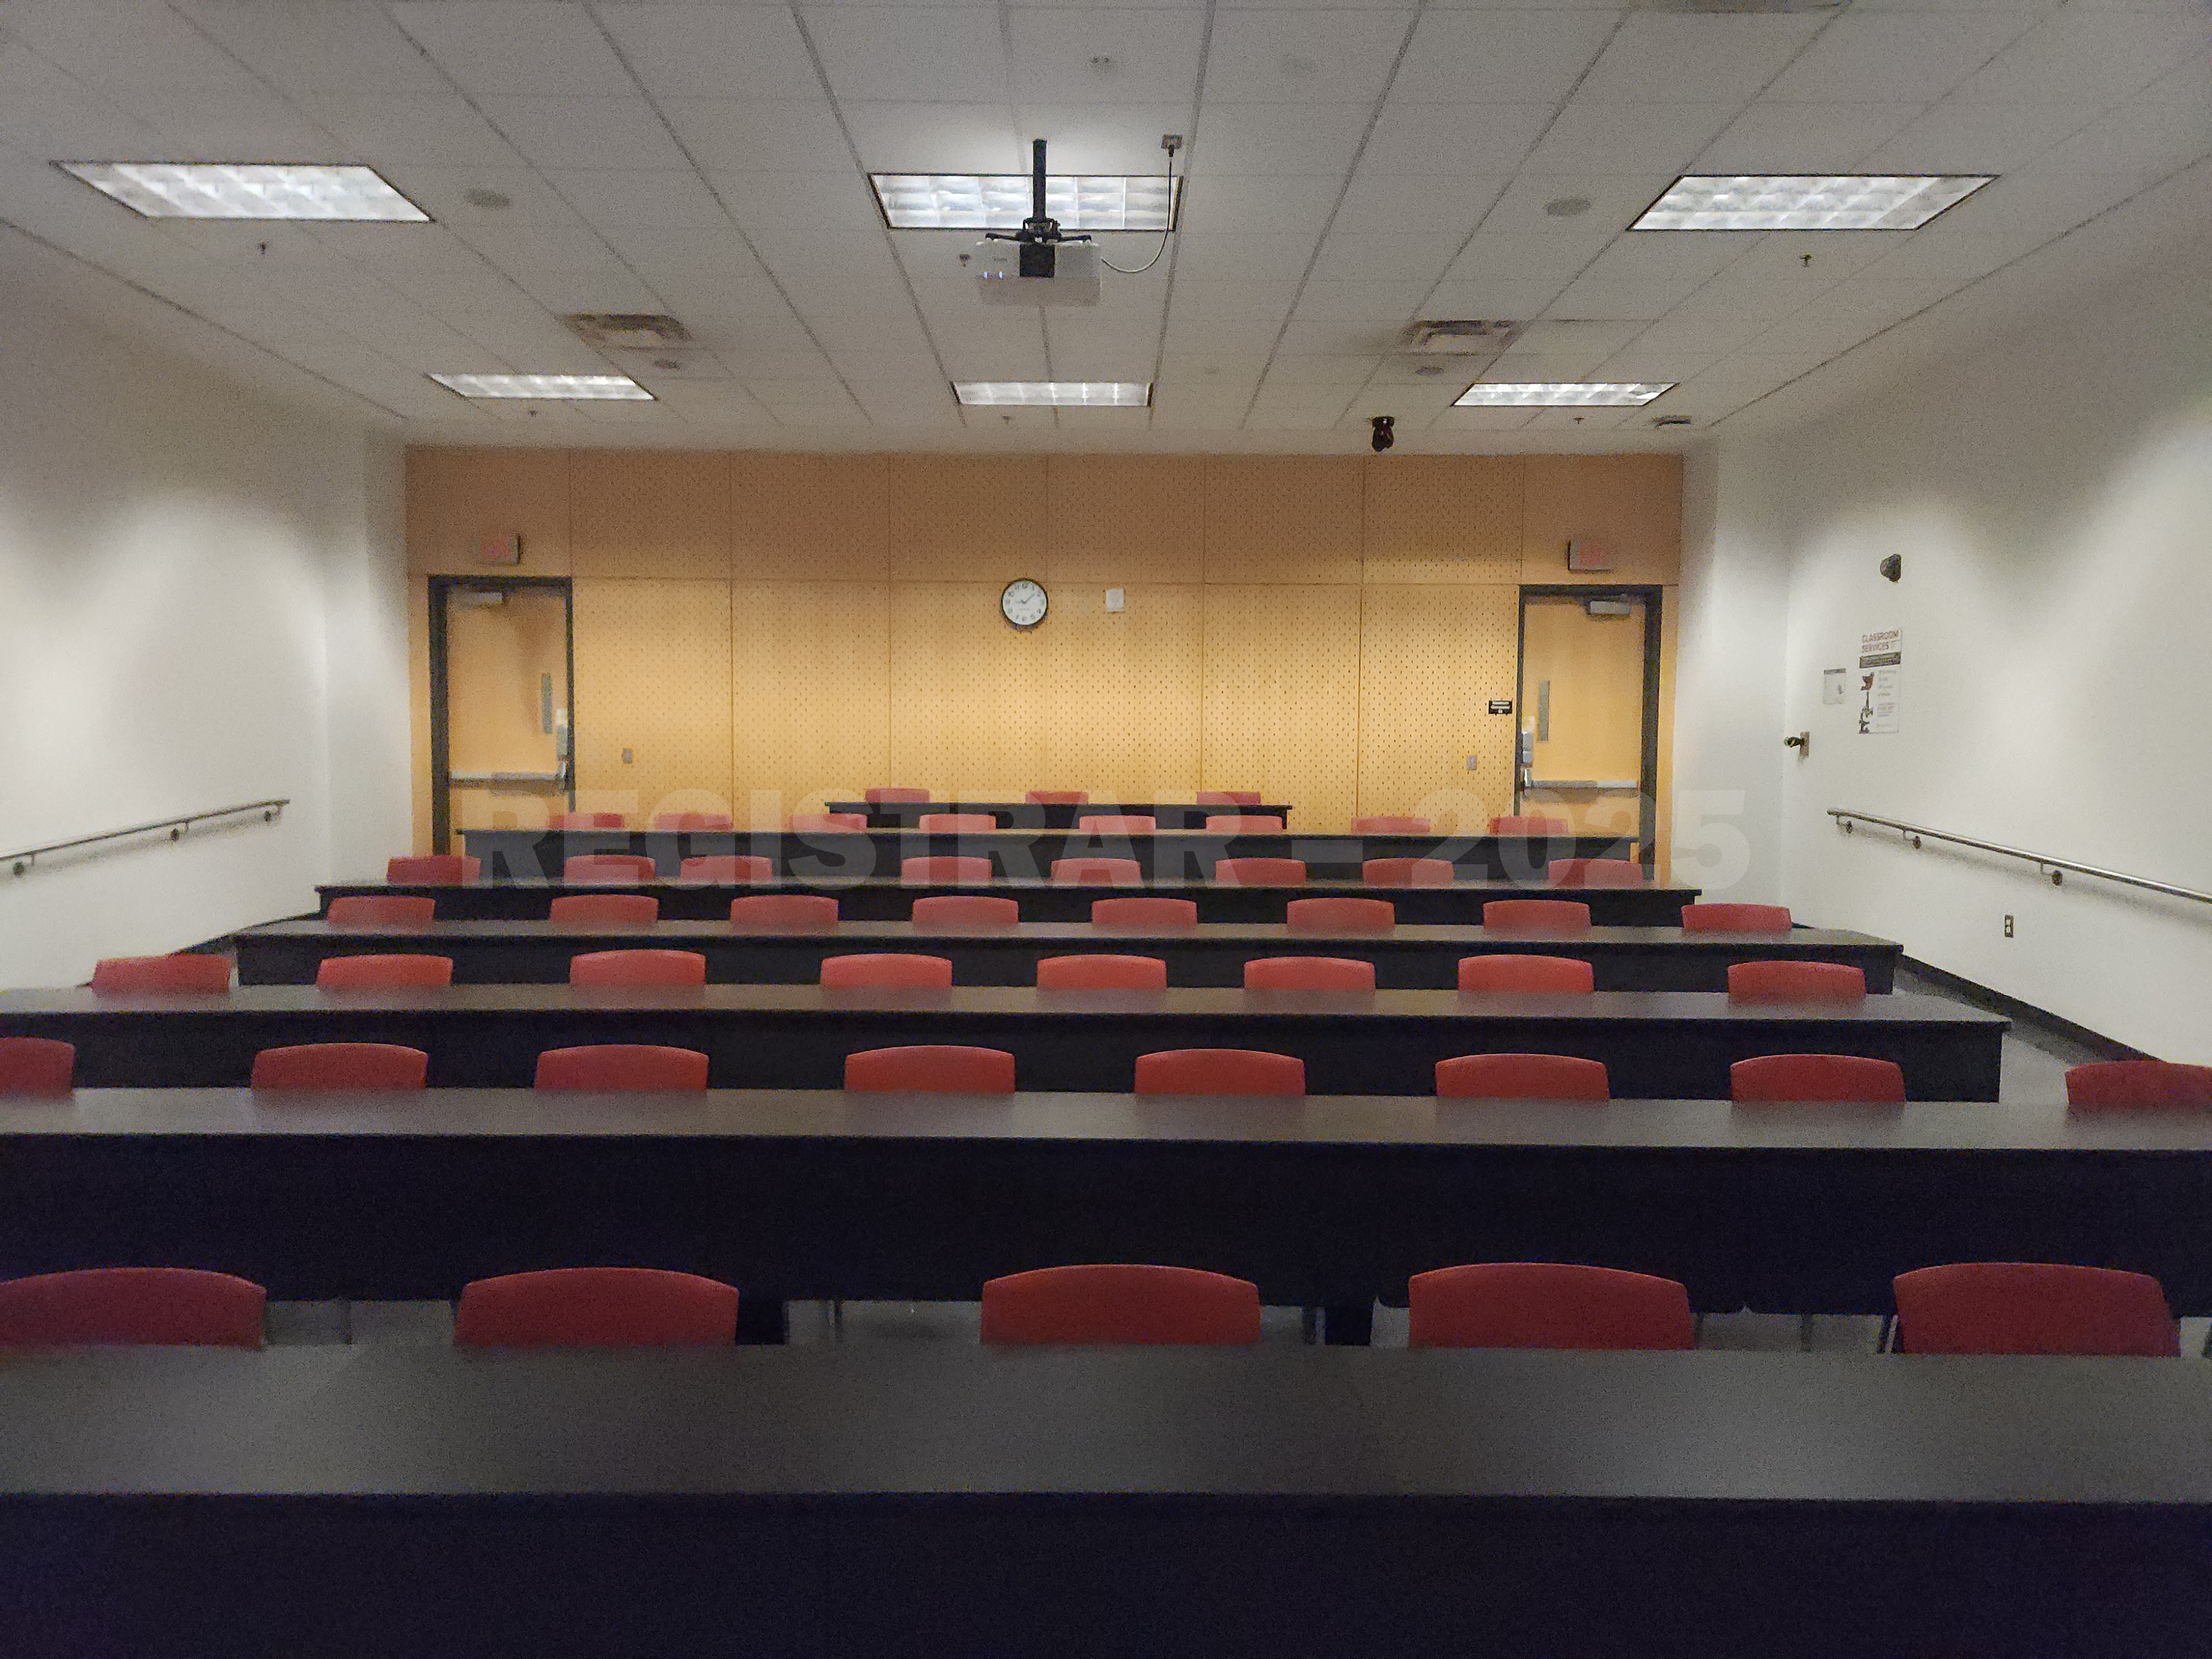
{"x": 1997, "y": 1002}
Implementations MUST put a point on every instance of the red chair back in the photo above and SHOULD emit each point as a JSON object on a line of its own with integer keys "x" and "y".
{"x": 896, "y": 969}
{"x": 1102, "y": 973}
{"x": 2032, "y": 1308}
{"x": 959, "y": 911}
{"x": 1594, "y": 873}
{"x": 1735, "y": 919}
{"x": 1500, "y": 973}
{"x": 1145, "y": 914}
{"x": 1796, "y": 981}
{"x": 932, "y": 1068}
{"x": 1118, "y": 824}
{"x": 638, "y": 968}
{"x": 817, "y": 824}
{"x": 1767, "y": 1078}
{"x": 1219, "y": 1072}
{"x": 1406, "y": 872}
{"x": 641, "y": 1067}
{"x": 1528, "y": 823}
{"x": 433, "y": 870}
{"x": 692, "y": 822}
{"x": 342, "y": 1066}
{"x": 944, "y": 867}
{"x": 1245, "y": 823}
{"x": 190, "y": 970}
{"x": 956, "y": 823}
{"x": 37, "y": 1066}
{"x": 131, "y": 1307}
{"x": 1536, "y": 916}
{"x": 2138, "y": 1083}
{"x": 1097, "y": 872}
{"x": 1340, "y": 915}
{"x": 727, "y": 867}
{"x": 1522, "y": 1077}
{"x": 892, "y": 795}
{"x": 1104, "y": 1304}
{"x": 1057, "y": 796}
{"x": 381, "y": 910}
{"x": 1226, "y": 798}
{"x": 1308, "y": 973}
{"x": 1384, "y": 823}
{"x": 613, "y": 869}
{"x": 596, "y": 1308}
{"x": 605, "y": 910}
{"x": 1259, "y": 873}
{"x": 382, "y": 971}
{"x": 1547, "y": 1305}
{"x": 784, "y": 913}
{"x": 588, "y": 821}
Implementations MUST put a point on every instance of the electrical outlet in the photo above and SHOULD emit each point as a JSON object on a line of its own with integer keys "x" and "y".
{"x": 2008, "y": 927}
{"x": 1471, "y": 760}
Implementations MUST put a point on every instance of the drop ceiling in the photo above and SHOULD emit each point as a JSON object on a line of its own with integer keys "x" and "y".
{"x": 1352, "y": 168}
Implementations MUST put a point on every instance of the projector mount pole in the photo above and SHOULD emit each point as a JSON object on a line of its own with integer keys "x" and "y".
{"x": 1039, "y": 227}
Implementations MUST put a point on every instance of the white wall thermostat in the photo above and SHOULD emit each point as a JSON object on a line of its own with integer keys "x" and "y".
{"x": 1024, "y": 602}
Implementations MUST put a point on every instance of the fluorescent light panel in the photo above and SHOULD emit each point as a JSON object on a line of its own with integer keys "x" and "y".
{"x": 224, "y": 189}
{"x": 564, "y": 388}
{"x": 1558, "y": 394}
{"x": 1053, "y": 394}
{"x": 1000, "y": 201}
{"x": 1807, "y": 202}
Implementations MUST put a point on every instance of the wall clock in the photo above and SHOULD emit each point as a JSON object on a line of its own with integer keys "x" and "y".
{"x": 1024, "y": 602}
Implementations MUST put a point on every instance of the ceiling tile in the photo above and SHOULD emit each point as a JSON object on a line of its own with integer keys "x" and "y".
{"x": 950, "y": 54}
{"x": 1262, "y": 302}
{"x": 1615, "y": 199}
{"x": 607, "y": 288}
{"x": 443, "y": 193}
{"x": 1302, "y": 56}
{"x": 586, "y": 132}
{"x": 1070, "y": 55}
{"x": 1359, "y": 300}
{"x": 717, "y": 253}
{"x": 1431, "y": 140}
{"x": 1282, "y": 408}
{"x": 1296, "y": 369}
{"x": 778, "y": 136}
{"x": 1499, "y": 297}
{"x": 904, "y": 137}
{"x": 1896, "y": 56}
{"x": 2159, "y": 131}
{"x": 1105, "y": 137}
{"x": 1503, "y": 57}
{"x": 317, "y": 45}
{"x": 117, "y": 46}
{"x": 1276, "y": 138}
{"x": 520, "y": 248}
{"x": 615, "y": 200}
{"x": 2092, "y": 54}
{"x": 47, "y": 114}
{"x": 517, "y": 47}
{"x": 1675, "y": 256}
{"x": 1367, "y": 256}
{"x": 1958, "y": 138}
{"x": 1696, "y": 59}
{"x": 1412, "y": 204}
{"x": 1490, "y": 253}
{"x": 256, "y": 124}
{"x": 1601, "y": 301}
{"x": 1279, "y": 206}
{"x": 440, "y": 129}
{"x": 714, "y": 52}
{"x": 1452, "y": 421}
{"x": 1689, "y": 328}
{"x": 1771, "y": 138}
{"x": 1229, "y": 255}
{"x": 798, "y": 201}
{"x": 796, "y": 256}
{"x": 1594, "y": 136}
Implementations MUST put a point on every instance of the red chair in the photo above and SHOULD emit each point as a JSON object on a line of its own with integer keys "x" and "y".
{"x": 2032, "y": 1308}
{"x": 638, "y": 968}
{"x": 1594, "y": 873}
{"x": 1522, "y": 1077}
{"x": 942, "y": 867}
{"x": 1219, "y": 1072}
{"x": 1100, "y": 1306}
{"x": 433, "y": 870}
{"x": 1385, "y": 824}
{"x": 37, "y": 1066}
{"x": 383, "y": 971}
{"x": 784, "y": 913}
{"x": 621, "y": 1066}
{"x": 1735, "y": 919}
{"x": 1057, "y": 796}
{"x": 342, "y": 1066}
{"x": 1501, "y": 973}
{"x": 1097, "y": 872}
{"x": 685, "y": 823}
{"x": 1259, "y": 873}
{"x": 931, "y": 1068}
{"x": 891, "y": 794}
{"x": 1102, "y": 973}
{"x": 1547, "y": 1305}
{"x": 1118, "y": 824}
{"x": 1536, "y": 916}
{"x": 1149, "y": 915}
{"x": 726, "y": 868}
{"x": 819, "y": 823}
{"x": 1227, "y": 798}
{"x": 1796, "y": 981}
{"x": 1243, "y": 824}
{"x": 605, "y": 910}
{"x": 1340, "y": 915}
{"x": 1528, "y": 824}
{"x": 2125, "y": 1083}
{"x": 956, "y": 823}
{"x": 190, "y": 970}
{"x": 1771, "y": 1077}
{"x": 958, "y": 912}
{"x": 596, "y": 1308}
{"x": 381, "y": 910}
{"x": 895, "y": 968}
{"x": 131, "y": 1307}
{"x": 1407, "y": 873}
{"x": 1308, "y": 974}
{"x": 612, "y": 869}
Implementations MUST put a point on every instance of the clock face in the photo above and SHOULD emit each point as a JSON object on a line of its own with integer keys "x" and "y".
{"x": 1024, "y": 602}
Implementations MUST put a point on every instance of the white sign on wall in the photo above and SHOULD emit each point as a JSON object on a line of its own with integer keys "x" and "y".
{"x": 1881, "y": 666}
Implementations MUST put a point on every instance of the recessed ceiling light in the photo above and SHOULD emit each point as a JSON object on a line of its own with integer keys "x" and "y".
{"x": 1558, "y": 394}
{"x": 1808, "y": 202}
{"x": 224, "y": 189}
{"x": 1000, "y": 201}
{"x": 565, "y": 388}
{"x": 1055, "y": 394}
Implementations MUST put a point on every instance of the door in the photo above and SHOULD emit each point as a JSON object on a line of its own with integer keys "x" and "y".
{"x": 501, "y": 656}
{"x": 1589, "y": 708}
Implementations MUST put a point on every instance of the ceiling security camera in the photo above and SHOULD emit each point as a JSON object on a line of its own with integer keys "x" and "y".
{"x": 1383, "y": 438}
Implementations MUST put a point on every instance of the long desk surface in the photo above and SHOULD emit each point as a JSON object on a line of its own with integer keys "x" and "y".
{"x": 533, "y": 854}
{"x": 1405, "y": 958}
{"x": 1322, "y": 1201}
{"x": 1656, "y": 1044}
{"x": 895, "y": 1499}
{"x": 1050, "y": 815}
{"x": 889, "y": 899}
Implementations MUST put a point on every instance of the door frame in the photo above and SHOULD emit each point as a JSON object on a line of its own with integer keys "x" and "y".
{"x": 441, "y": 753}
{"x": 1647, "y": 782}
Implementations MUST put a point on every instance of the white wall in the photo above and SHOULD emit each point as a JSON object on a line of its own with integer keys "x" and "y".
{"x": 201, "y": 602}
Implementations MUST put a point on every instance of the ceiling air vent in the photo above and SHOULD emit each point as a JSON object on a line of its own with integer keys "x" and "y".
{"x": 1459, "y": 339}
{"x": 631, "y": 331}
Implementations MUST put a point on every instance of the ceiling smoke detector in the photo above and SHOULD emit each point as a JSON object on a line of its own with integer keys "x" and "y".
{"x": 1459, "y": 339}
{"x": 628, "y": 330}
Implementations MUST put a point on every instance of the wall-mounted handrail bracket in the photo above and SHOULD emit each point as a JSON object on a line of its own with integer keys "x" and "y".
{"x": 22, "y": 862}
{"x": 2057, "y": 869}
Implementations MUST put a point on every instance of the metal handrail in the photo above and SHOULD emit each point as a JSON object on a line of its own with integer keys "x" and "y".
{"x": 19, "y": 863}
{"x": 2056, "y": 868}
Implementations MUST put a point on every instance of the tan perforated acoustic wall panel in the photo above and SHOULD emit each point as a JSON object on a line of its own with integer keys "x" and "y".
{"x": 1282, "y": 697}
{"x": 651, "y": 512}
{"x": 810, "y": 686}
{"x": 1282, "y": 518}
{"x": 811, "y": 518}
{"x": 1119, "y": 518}
{"x": 1632, "y": 503}
{"x": 455, "y": 497}
{"x": 1430, "y": 658}
{"x": 955, "y": 518}
{"x": 1443, "y": 519}
{"x": 652, "y": 677}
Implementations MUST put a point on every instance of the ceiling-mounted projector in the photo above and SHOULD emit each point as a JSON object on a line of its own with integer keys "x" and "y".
{"x": 1038, "y": 265}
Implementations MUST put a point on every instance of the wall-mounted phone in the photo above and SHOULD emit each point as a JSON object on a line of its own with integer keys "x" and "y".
{"x": 563, "y": 748}
{"x": 1524, "y": 756}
